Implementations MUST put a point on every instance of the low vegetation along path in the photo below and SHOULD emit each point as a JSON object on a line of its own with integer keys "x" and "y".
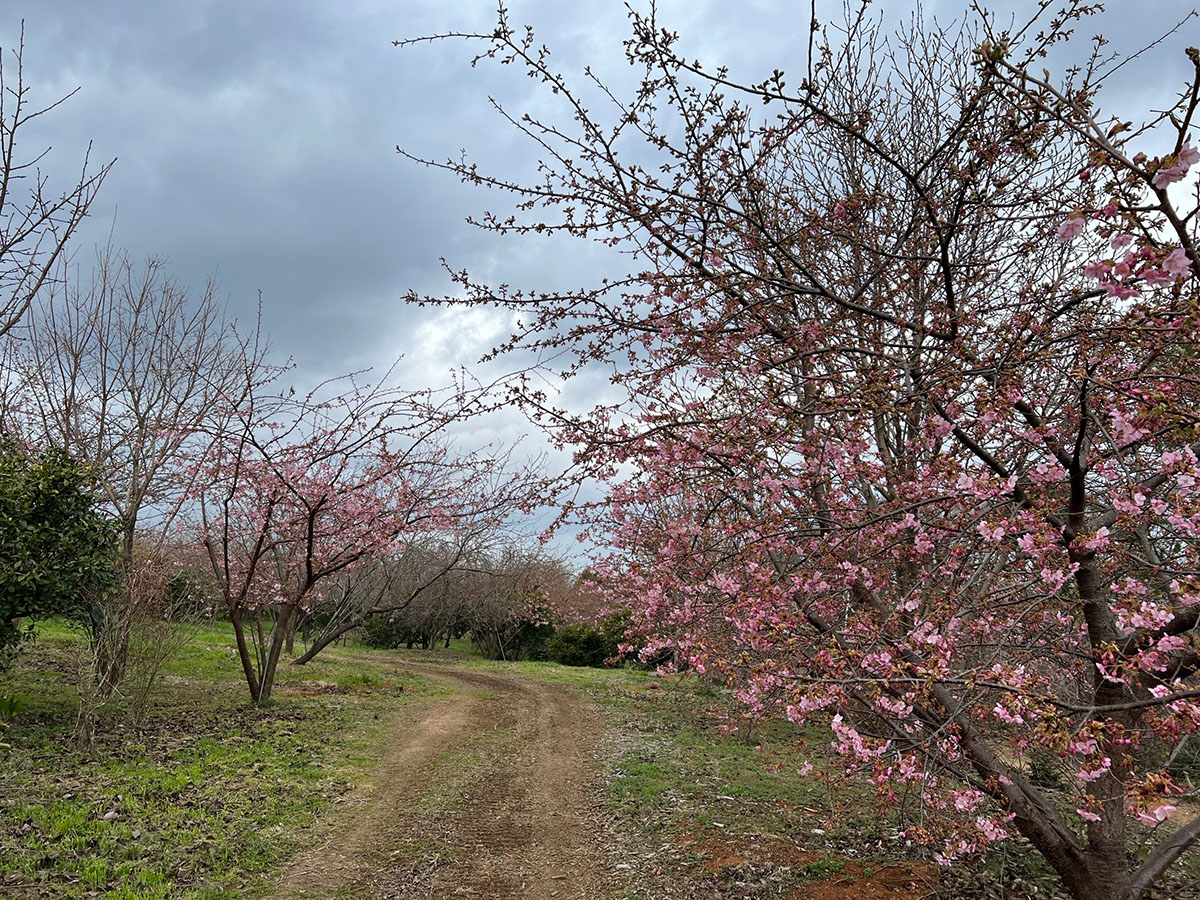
{"x": 485, "y": 792}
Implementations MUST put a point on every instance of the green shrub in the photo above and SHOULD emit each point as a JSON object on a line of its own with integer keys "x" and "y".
{"x": 1045, "y": 769}
{"x": 386, "y": 632}
{"x": 581, "y": 645}
{"x": 57, "y": 549}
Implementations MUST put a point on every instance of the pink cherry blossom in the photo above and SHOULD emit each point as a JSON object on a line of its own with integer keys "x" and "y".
{"x": 1071, "y": 228}
{"x": 1176, "y": 262}
{"x": 918, "y": 464}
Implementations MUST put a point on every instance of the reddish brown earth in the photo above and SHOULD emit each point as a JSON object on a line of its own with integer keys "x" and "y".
{"x": 904, "y": 881}
{"x": 483, "y": 793}
{"x": 845, "y": 879}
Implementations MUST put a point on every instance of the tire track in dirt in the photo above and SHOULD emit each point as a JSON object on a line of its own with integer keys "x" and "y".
{"x": 485, "y": 793}
{"x": 529, "y": 831}
{"x": 353, "y": 839}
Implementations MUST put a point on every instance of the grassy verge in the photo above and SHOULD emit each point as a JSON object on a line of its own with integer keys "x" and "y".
{"x": 729, "y": 814}
{"x": 203, "y": 798}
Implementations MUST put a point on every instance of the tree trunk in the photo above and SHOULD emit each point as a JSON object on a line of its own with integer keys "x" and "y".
{"x": 323, "y": 641}
{"x": 278, "y": 639}
{"x": 290, "y": 636}
{"x": 1098, "y": 871}
{"x": 1109, "y": 863}
{"x": 239, "y": 632}
{"x": 85, "y": 727}
{"x": 112, "y": 621}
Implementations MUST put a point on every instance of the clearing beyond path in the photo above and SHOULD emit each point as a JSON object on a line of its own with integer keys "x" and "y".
{"x": 483, "y": 793}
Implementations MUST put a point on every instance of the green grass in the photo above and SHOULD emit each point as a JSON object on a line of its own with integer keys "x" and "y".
{"x": 206, "y": 797}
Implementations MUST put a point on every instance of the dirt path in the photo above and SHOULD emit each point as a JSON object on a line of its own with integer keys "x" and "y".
{"x": 484, "y": 793}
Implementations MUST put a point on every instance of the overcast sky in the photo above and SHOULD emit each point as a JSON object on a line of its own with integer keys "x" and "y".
{"x": 255, "y": 139}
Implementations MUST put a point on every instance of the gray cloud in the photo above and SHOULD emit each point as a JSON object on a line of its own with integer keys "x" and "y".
{"x": 256, "y": 140}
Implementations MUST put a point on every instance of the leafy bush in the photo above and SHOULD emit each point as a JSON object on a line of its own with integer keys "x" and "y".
{"x": 386, "y": 631}
{"x": 581, "y": 645}
{"x": 56, "y": 548}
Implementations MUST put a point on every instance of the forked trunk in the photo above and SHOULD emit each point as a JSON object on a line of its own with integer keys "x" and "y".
{"x": 274, "y": 651}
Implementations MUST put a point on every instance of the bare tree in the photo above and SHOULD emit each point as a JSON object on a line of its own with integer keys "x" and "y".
{"x": 122, "y": 371}
{"x": 394, "y": 587}
{"x": 36, "y": 221}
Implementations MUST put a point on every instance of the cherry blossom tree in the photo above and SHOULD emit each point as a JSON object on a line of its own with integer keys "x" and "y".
{"x": 902, "y": 433}
{"x": 299, "y": 488}
{"x": 424, "y": 579}
{"x": 509, "y": 603}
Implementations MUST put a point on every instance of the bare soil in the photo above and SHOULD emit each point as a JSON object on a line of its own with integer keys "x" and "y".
{"x": 487, "y": 793}
{"x": 846, "y": 879}
{"x": 492, "y": 792}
